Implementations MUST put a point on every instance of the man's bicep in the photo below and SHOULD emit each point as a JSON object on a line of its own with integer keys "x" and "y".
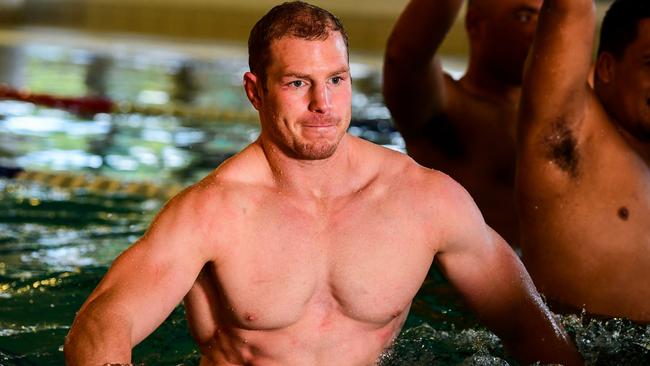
{"x": 142, "y": 290}
{"x": 475, "y": 259}
{"x": 490, "y": 278}
{"x": 149, "y": 279}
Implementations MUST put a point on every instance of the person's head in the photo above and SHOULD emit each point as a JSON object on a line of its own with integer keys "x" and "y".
{"x": 290, "y": 19}
{"x": 622, "y": 75}
{"x": 500, "y": 35}
{"x": 300, "y": 79}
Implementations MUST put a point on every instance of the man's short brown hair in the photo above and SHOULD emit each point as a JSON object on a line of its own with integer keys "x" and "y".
{"x": 295, "y": 19}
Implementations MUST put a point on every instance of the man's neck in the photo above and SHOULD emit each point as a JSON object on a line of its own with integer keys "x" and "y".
{"x": 607, "y": 98}
{"x": 484, "y": 84}
{"x": 641, "y": 147}
{"x": 320, "y": 180}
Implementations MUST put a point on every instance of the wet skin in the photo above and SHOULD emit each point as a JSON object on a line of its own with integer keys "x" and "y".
{"x": 308, "y": 247}
{"x": 466, "y": 127}
{"x": 583, "y": 172}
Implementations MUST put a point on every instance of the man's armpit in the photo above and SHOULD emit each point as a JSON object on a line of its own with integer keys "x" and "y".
{"x": 560, "y": 146}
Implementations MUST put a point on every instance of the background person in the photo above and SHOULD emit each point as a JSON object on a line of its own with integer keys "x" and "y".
{"x": 583, "y": 177}
{"x": 466, "y": 127}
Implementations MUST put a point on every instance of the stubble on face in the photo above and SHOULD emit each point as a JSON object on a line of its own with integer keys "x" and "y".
{"x": 301, "y": 132}
{"x": 317, "y": 149}
{"x": 312, "y": 136}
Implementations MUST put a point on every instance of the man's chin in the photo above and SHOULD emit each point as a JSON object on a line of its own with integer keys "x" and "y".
{"x": 317, "y": 151}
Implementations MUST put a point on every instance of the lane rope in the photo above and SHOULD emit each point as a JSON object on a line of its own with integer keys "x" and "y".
{"x": 93, "y": 105}
{"x": 92, "y": 183}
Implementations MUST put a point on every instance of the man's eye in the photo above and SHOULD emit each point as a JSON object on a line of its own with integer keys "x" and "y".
{"x": 523, "y": 17}
{"x": 337, "y": 80}
{"x": 297, "y": 83}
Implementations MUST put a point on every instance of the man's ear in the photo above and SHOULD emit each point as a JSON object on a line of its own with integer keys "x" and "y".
{"x": 605, "y": 67}
{"x": 253, "y": 87}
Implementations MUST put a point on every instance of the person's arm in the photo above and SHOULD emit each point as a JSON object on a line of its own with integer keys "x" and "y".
{"x": 142, "y": 287}
{"x": 414, "y": 89}
{"x": 555, "y": 89}
{"x": 495, "y": 285}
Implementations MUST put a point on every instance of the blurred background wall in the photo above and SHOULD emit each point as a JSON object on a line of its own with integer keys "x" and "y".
{"x": 104, "y": 25}
{"x": 368, "y": 21}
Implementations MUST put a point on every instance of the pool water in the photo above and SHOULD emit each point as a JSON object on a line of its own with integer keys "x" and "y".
{"x": 56, "y": 243}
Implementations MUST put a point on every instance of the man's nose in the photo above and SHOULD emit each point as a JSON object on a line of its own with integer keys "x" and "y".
{"x": 320, "y": 99}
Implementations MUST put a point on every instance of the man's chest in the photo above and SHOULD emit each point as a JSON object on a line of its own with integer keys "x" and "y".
{"x": 286, "y": 268}
{"x": 608, "y": 199}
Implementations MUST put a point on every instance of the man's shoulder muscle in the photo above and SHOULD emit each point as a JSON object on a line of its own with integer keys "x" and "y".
{"x": 213, "y": 207}
{"x": 430, "y": 191}
{"x": 455, "y": 212}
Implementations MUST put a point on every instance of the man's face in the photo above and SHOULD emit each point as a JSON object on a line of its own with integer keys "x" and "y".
{"x": 505, "y": 33}
{"x": 630, "y": 82}
{"x": 307, "y": 105}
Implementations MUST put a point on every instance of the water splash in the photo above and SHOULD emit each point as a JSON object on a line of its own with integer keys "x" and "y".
{"x": 424, "y": 345}
{"x": 615, "y": 341}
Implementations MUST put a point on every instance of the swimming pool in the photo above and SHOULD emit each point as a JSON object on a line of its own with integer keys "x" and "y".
{"x": 56, "y": 243}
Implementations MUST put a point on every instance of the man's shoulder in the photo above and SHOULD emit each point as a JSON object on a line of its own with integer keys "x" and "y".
{"x": 406, "y": 174}
{"x": 455, "y": 92}
{"x": 433, "y": 198}
{"x": 234, "y": 182}
{"x": 435, "y": 183}
{"x": 384, "y": 162}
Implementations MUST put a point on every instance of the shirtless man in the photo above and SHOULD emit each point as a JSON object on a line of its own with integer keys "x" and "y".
{"x": 583, "y": 175}
{"x": 465, "y": 128}
{"x": 308, "y": 247}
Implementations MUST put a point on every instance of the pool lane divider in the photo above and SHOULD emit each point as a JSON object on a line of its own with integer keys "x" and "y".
{"x": 88, "y": 105}
{"x": 76, "y": 105}
{"x": 91, "y": 183}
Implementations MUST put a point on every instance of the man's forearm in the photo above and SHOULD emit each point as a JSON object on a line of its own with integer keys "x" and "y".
{"x": 420, "y": 30}
{"x": 97, "y": 338}
{"x": 555, "y": 82}
{"x": 539, "y": 337}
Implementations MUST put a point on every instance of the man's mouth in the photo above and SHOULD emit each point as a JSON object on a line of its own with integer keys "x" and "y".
{"x": 320, "y": 122}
